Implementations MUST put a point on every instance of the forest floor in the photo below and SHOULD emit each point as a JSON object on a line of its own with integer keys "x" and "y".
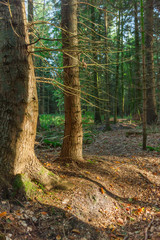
{"x": 116, "y": 193}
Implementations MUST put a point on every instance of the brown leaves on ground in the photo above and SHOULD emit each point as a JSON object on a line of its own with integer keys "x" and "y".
{"x": 116, "y": 194}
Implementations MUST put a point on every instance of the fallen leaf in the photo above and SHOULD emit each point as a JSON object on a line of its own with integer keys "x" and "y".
{"x": 69, "y": 207}
{"x": 102, "y": 190}
{"x": 120, "y": 221}
{"x": 58, "y": 237}
{"x": 3, "y": 214}
{"x": 76, "y": 231}
{"x": 43, "y": 213}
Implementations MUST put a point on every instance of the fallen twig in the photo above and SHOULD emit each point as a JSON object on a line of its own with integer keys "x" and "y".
{"x": 147, "y": 229}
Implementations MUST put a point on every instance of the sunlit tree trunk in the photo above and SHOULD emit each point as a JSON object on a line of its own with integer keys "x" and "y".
{"x": 18, "y": 101}
{"x": 151, "y": 99}
{"x": 72, "y": 142}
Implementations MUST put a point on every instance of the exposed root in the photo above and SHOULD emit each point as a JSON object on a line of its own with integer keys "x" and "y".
{"x": 71, "y": 163}
{"x": 48, "y": 179}
{"x": 25, "y": 186}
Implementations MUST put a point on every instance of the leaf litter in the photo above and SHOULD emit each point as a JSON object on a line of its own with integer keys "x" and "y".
{"x": 116, "y": 194}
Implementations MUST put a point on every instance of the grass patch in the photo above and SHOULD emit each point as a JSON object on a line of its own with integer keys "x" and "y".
{"x": 150, "y": 148}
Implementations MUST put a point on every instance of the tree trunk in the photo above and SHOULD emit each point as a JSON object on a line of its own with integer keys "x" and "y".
{"x": 107, "y": 124}
{"x": 18, "y": 101}
{"x": 97, "y": 115}
{"x": 122, "y": 69}
{"x": 144, "y": 79}
{"x": 151, "y": 99}
{"x": 138, "y": 84}
{"x": 72, "y": 142}
{"x": 117, "y": 70}
{"x": 30, "y": 19}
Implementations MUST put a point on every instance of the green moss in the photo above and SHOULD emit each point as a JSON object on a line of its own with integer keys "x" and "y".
{"x": 51, "y": 174}
{"x": 24, "y": 186}
{"x": 42, "y": 171}
{"x": 18, "y": 184}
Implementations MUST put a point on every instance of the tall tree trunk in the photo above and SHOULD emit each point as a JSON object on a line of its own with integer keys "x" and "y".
{"x": 31, "y": 38}
{"x": 97, "y": 115}
{"x": 72, "y": 142}
{"x": 117, "y": 70}
{"x": 144, "y": 79}
{"x": 122, "y": 69}
{"x": 18, "y": 101}
{"x": 138, "y": 85}
{"x": 107, "y": 124}
{"x": 151, "y": 99}
{"x": 30, "y": 21}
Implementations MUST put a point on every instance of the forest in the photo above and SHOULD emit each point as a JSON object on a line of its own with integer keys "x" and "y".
{"x": 80, "y": 119}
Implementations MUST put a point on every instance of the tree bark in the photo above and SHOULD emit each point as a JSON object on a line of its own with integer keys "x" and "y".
{"x": 72, "y": 142}
{"x": 122, "y": 68}
{"x": 138, "y": 83}
{"x": 117, "y": 70}
{"x": 107, "y": 124}
{"x": 144, "y": 78}
{"x": 18, "y": 101}
{"x": 97, "y": 115}
{"x": 151, "y": 99}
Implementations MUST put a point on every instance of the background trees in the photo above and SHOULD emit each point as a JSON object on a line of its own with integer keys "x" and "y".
{"x": 123, "y": 45}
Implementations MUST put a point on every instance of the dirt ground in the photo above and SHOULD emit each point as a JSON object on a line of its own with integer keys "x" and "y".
{"x": 116, "y": 193}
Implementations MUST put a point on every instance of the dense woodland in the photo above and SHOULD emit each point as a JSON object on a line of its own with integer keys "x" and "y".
{"x": 79, "y": 119}
{"x": 118, "y": 58}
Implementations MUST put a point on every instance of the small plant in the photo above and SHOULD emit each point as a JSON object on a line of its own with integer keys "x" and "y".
{"x": 52, "y": 143}
{"x": 47, "y": 121}
{"x": 157, "y": 149}
{"x": 88, "y": 137}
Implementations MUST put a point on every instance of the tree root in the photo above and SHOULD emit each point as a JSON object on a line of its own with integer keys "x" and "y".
{"x": 69, "y": 162}
{"x": 23, "y": 185}
{"x": 32, "y": 177}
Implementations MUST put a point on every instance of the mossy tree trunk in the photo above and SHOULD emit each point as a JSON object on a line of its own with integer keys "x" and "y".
{"x": 18, "y": 101}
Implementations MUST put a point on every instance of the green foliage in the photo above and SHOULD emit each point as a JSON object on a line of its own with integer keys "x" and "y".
{"x": 88, "y": 117}
{"x": 49, "y": 120}
{"x": 157, "y": 149}
{"x": 52, "y": 143}
{"x": 88, "y": 137}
